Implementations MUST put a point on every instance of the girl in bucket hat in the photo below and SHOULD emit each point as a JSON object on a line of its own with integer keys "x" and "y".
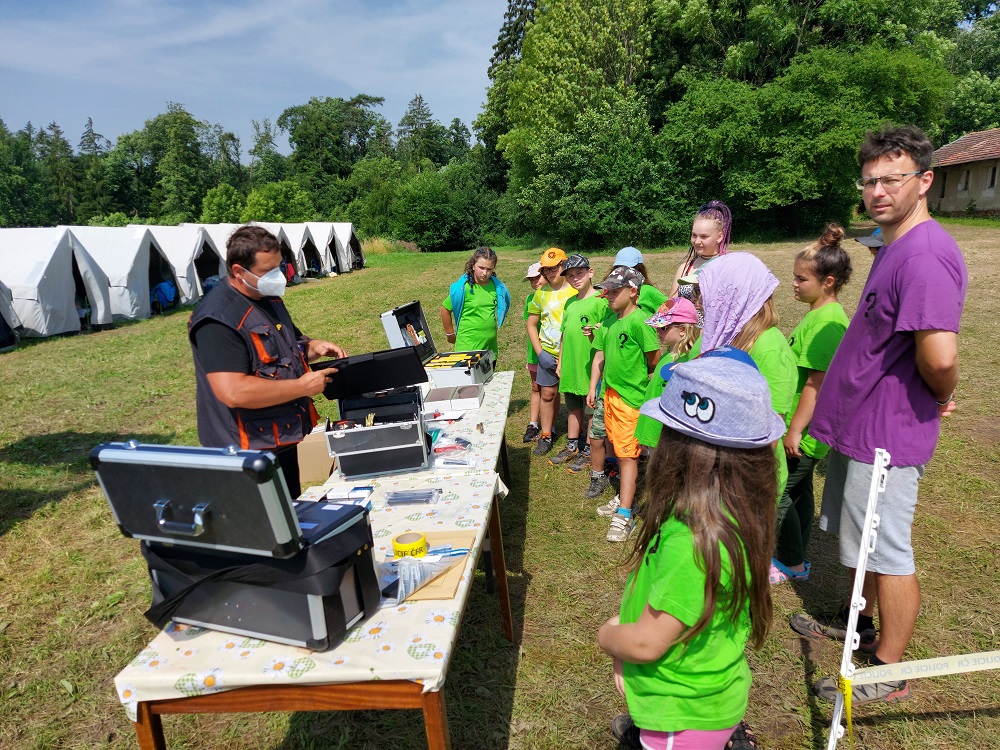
{"x": 698, "y": 589}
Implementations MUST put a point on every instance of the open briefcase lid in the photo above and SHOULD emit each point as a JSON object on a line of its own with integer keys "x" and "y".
{"x": 375, "y": 371}
{"x": 214, "y": 498}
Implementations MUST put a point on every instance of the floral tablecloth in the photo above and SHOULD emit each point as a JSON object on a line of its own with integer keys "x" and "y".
{"x": 410, "y": 641}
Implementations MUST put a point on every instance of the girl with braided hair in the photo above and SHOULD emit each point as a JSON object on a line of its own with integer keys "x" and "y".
{"x": 711, "y": 232}
{"x": 478, "y": 302}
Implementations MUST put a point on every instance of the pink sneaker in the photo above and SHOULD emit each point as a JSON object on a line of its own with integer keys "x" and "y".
{"x": 781, "y": 574}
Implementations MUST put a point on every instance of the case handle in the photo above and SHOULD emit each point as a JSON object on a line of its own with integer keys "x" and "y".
{"x": 167, "y": 526}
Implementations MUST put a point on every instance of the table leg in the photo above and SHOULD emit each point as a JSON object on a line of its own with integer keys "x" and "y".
{"x": 504, "y": 462}
{"x": 436, "y": 721}
{"x": 149, "y": 728}
{"x": 496, "y": 547}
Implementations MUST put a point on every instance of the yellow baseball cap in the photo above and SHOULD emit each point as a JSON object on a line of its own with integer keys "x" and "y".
{"x": 552, "y": 257}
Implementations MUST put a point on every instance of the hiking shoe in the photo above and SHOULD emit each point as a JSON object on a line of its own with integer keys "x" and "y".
{"x": 563, "y": 456}
{"x": 597, "y": 485}
{"x": 543, "y": 446}
{"x": 831, "y": 628}
{"x": 580, "y": 463}
{"x": 620, "y": 529}
{"x": 626, "y": 732}
{"x": 610, "y": 507}
{"x": 875, "y": 692}
{"x": 742, "y": 738}
{"x": 531, "y": 433}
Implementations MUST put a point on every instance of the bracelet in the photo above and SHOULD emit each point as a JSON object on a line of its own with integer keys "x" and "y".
{"x": 947, "y": 400}
{"x": 449, "y": 335}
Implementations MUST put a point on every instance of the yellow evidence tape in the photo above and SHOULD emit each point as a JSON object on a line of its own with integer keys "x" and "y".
{"x": 410, "y": 544}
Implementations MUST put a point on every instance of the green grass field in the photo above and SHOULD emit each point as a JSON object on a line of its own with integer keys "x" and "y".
{"x": 72, "y": 589}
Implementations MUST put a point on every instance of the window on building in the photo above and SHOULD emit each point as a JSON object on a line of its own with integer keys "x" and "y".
{"x": 965, "y": 180}
{"x": 993, "y": 176}
{"x": 944, "y": 182}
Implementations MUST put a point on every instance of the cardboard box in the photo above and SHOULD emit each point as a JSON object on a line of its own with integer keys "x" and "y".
{"x": 315, "y": 463}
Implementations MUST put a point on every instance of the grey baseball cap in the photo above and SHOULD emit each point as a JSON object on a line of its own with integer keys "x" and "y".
{"x": 575, "y": 261}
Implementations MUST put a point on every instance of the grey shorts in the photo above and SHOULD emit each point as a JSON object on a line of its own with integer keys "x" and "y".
{"x": 546, "y": 376}
{"x": 597, "y": 430}
{"x": 845, "y": 501}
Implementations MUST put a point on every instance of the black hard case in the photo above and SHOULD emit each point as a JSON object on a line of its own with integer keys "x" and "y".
{"x": 248, "y": 570}
{"x": 379, "y": 386}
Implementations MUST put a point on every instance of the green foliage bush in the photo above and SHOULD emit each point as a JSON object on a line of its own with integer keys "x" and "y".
{"x": 278, "y": 201}
{"x": 222, "y": 205}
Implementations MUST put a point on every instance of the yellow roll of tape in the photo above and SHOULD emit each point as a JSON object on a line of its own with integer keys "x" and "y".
{"x": 410, "y": 544}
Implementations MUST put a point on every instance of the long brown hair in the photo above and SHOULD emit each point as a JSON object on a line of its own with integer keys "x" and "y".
{"x": 766, "y": 317}
{"x": 726, "y": 497}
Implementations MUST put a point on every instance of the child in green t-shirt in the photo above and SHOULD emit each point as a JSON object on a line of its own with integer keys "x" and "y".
{"x": 626, "y": 354}
{"x": 537, "y": 281}
{"x": 478, "y": 302}
{"x": 544, "y": 326}
{"x": 576, "y": 354}
{"x": 697, "y": 593}
{"x": 676, "y": 326}
{"x": 820, "y": 271}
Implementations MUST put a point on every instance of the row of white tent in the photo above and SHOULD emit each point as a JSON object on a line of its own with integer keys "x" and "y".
{"x": 53, "y": 278}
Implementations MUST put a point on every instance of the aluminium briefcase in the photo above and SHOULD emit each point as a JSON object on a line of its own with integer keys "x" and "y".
{"x": 229, "y": 550}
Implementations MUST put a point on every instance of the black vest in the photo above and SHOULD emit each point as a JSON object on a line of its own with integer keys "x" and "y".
{"x": 274, "y": 354}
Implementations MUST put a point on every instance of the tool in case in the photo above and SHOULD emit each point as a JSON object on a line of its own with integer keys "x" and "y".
{"x": 406, "y": 327}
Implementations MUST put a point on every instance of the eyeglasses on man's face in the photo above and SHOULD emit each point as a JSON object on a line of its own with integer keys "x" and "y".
{"x": 889, "y": 181}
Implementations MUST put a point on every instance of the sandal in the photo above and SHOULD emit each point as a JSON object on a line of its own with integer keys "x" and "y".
{"x": 780, "y": 573}
{"x": 743, "y": 738}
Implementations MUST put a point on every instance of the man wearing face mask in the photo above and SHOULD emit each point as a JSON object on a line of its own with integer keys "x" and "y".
{"x": 254, "y": 386}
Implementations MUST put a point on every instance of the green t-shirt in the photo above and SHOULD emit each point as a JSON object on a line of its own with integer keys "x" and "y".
{"x": 814, "y": 342}
{"x": 577, "y": 351}
{"x": 477, "y": 328}
{"x": 650, "y": 299}
{"x": 625, "y": 344}
{"x": 774, "y": 359}
{"x": 647, "y": 430}
{"x": 532, "y": 357}
{"x": 548, "y": 305}
{"x": 704, "y": 684}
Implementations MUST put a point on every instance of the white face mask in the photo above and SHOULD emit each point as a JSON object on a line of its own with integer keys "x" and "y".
{"x": 271, "y": 284}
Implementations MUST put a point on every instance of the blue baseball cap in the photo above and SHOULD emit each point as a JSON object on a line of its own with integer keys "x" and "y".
{"x": 628, "y": 256}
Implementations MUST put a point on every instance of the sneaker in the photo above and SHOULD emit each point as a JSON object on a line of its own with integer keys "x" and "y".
{"x": 875, "y": 692}
{"x": 611, "y": 507}
{"x": 597, "y": 485}
{"x": 831, "y": 628}
{"x": 543, "y": 446}
{"x": 620, "y": 529}
{"x": 563, "y": 456}
{"x": 581, "y": 462}
{"x": 531, "y": 433}
{"x": 742, "y": 738}
{"x": 626, "y": 732}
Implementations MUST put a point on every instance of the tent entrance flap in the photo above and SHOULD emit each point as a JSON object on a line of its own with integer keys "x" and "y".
{"x": 207, "y": 264}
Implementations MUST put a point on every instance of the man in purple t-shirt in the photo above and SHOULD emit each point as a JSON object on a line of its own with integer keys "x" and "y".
{"x": 891, "y": 381}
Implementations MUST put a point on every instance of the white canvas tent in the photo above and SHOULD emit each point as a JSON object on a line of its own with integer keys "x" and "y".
{"x": 9, "y": 322}
{"x": 349, "y": 254}
{"x": 326, "y": 243}
{"x": 193, "y": 256}
{"x": 133, "y": 262}
{"x": 47, "y": 272}
{"x": 219, "y": 234}
{"x": 307, "y": 253}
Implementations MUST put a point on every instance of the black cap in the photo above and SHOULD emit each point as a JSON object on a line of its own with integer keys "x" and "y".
{"x": 575, "y": 261}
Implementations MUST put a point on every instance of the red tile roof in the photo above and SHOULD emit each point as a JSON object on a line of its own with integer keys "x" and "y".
{"x": 978, "y": 146}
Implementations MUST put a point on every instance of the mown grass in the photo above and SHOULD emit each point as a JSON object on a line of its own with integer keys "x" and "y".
{"x": 72, "y": 590}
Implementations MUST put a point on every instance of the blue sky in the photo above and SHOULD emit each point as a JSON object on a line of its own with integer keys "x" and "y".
{"x": 231, "y": 61}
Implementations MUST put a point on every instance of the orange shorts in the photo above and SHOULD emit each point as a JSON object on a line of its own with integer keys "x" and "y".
{"x": 620, "y": 421}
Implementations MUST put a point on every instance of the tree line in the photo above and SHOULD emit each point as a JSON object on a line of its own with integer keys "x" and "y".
{"x": 606, "y": 122}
